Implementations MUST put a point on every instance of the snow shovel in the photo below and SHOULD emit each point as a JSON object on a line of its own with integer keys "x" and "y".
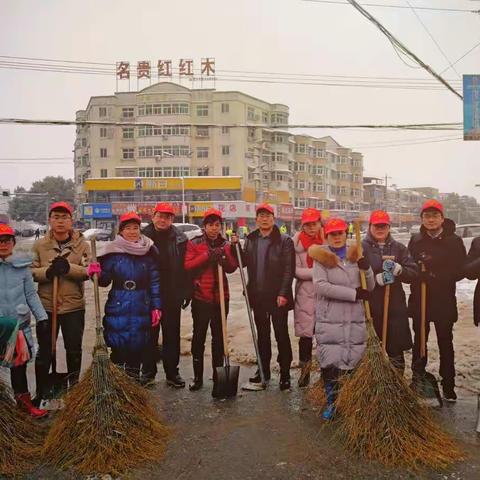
{"x": 251, "y": 386}
{"x": 225, "y": 379}
{"x": 56, "y": 383}
{"x": 388, "y": 279}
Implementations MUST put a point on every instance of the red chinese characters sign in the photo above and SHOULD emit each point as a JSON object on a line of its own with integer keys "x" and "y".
{"x": 123, "y": 70}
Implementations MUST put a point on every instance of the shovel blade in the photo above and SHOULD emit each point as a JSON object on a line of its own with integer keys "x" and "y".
{"x": 225, "y": 383}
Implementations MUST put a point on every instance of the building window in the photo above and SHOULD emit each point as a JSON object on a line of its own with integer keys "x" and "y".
{"x": 226, "y": 150}
{"x": 225, "y": 171}
{"x": 300, "y": 185}
{"x": 264, "y": 117}
{"x": 250, "y": 113}
{"x": 103, "y": 153}
{"x": 225, "y": 107}
{"x": 202, "y": 172}
{"x": 103, "y": 173}
{"x": 102, "y": 111}
{"x": 128, "y": 112}
{"x": 225, "y": 130}
{"x": 279, "y": 118}
{"x": 202, "y": 152}
{"x": 128, "y": 153}
{"x": 128, "y": 132}
{"x": 202, "y": 132}
{"x": 300, "y": 203}
{"x": 202, "y": 110}
{"x": 103, "y": 132}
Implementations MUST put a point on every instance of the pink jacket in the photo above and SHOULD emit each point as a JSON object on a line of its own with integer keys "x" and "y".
{"x": 304, "y": 312}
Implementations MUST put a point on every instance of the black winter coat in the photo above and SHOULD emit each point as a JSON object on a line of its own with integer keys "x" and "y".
{"x": 175, "y": 281}
{"x": 445, "y": 269}
{"x": 472, "y": 272}
{"x": 280, "y": 269}
{"x": 399, "y": 337}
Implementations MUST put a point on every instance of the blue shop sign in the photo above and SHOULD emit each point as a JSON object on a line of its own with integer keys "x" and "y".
{"x": 97, "y": 210}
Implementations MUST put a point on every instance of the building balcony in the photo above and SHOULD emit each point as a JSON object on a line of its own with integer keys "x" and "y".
{"x": 279, "y": 185}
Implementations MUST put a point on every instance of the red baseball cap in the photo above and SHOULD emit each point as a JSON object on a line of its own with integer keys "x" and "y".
{"x": 432, "y": 204}
{"x": 311, "y": 215}
{"x": 335, "y": 225}
{"x": 58, "y": 205}
{"x": 164, "y": 208}
{"x": 265, "y": 206}
{"x": 379, "y": 217}
{"x": 130, "y": 216}
{"x": 212, "y": 211}
{"x": 6, "y": 230}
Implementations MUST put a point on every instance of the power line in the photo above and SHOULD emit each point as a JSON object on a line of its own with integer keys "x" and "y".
{"x": 462, "y": 57}
{"x": 402, "y": 47}
{"x": 406, "y": 144}
{"x": 410, "y": 126}
{"x": 380, "y": 5}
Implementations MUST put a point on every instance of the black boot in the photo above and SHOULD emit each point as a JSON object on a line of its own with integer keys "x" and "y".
{"x": 197, "y": 375}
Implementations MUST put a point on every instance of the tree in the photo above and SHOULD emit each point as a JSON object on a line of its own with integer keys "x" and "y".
{"x": 34, "y": 207}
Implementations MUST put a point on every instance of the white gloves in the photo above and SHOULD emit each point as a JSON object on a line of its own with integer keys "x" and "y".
{"x": 397, "y": 270}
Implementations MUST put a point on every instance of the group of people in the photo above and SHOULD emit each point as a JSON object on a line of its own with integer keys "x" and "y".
{"x": 157, "y": 272}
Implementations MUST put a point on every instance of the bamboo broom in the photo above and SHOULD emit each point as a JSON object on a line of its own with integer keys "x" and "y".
{"x": 381, "y": 418}
{"x": 107, "y": 425}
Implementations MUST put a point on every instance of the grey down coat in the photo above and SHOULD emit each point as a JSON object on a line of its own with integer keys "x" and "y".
{"x": 340, "y": 330}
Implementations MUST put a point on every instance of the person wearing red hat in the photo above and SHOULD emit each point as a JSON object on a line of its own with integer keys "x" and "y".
{"x": 64, "y": 254}
{"x": 204, "y": 254}
{"x": 304, "y": 312}
{"x": 18, "y": 299}
{"x": 441, "y": 255}
{"x": 392, "y": 265}
{"x": 269, "y": 257}
{"x": 171, "y": 244}
{"x": 134, "y": 304}
{"x": 340, "y": 331}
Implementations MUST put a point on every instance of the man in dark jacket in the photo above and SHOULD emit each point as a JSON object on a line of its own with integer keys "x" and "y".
{"x": 441, "y": 254}
{"x": 176, "y": 292}
{"x": 270, "y": 260}
{"x": 379, "y": 247}
{"x": 472, "y": 272}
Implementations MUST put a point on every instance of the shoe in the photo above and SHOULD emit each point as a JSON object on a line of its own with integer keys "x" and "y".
{"x": 330, "y": 395}
{"x": 257, "y": 379}
{"x": 24, "y": 402}
{"x": 196, "y": 385}
{"x": 329, "y": 412}
{"x": 304, "y": 379}
{"x": 176, "y": 382}
{"x": 449, "y": 394}
{"x": 285, "y": 383}
{"x": 147, "y": 382}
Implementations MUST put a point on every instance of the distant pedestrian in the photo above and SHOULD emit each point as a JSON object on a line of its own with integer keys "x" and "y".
{"x": 350, "y": 230}
{"x": 37, "y": 234}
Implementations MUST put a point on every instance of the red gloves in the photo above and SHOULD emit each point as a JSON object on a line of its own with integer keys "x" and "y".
{"x": 94, "y": 268}
{"x": 156, "y": 316}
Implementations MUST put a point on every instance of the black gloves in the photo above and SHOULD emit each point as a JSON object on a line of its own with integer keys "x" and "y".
{"x": 216, "y": 254}
{"x": 59, "y": 267}
{"x": 362, "y": 294}
{"x": 363, "y": 263}
{"x": 426, "y": 259}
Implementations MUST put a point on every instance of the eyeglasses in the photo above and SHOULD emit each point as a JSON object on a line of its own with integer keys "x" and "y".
{"x": 60, "y": 217}
{"x": 6, "y": 240}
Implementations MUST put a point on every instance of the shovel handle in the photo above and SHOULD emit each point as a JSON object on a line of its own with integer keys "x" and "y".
{"x": 363, "y": 278}
{"x": 222, "y": 311}
{"x": 96, "y": 293}
{"x": 423, "y": 316}
{"x": 386, "y": 303}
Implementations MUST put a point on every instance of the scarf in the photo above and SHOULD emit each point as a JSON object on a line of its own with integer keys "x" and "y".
{"x": 307, "y": 242}
{"x": 120, "y": 245}
{"x": 340, "y": 252}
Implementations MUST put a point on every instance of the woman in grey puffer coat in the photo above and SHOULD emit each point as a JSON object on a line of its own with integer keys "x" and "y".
{"x": 340, "y": 330}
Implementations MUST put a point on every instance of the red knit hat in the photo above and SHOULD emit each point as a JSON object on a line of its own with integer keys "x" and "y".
{"x": 265, "y": 206}
{"x": 6, "y": 230}
{"x": 311, "y": 215}
{"x": 379, "y": 217}
{"x": 130, "y": 217}
{"x": 212, "y": 212}
{"x": 164, "y": 208}
{"x": 61, "y": 205}
{"x": 432, "y": 204}
{"x": 335, "y": 225}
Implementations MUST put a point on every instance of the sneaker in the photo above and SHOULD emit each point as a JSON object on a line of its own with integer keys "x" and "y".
{"x": 147, "y": 382}
{"x": 329, "y": 412}
{"x": 257, "y": 379}
{"x": 176, "y": 382}
{"x": 285, "y": 383}
{"x": 449, "y": 394}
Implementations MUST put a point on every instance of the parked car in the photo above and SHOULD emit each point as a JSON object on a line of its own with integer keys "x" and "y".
{"x": 467, "y": 232}
{"x": 189, "y": 229}
{"x": 101, "y": 234}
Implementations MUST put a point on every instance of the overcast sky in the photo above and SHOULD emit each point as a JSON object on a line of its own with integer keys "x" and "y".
{"x": 283, "y": 36}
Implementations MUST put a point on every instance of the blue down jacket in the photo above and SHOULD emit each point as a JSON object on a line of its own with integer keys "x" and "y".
{"x": 134, "y": 294}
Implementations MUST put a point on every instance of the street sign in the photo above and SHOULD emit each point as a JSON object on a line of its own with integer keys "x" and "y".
{"x": 96, "y": 210}
{"x": 471, "y": 107}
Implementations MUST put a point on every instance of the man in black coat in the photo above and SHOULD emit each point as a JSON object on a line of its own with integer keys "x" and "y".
{"x": 379, "y": 246}
{"x": 472, "y": 272}
{"x": 442, "y": 255}
{"x": 176, "y": 293}
{"x": 270, "y": 260}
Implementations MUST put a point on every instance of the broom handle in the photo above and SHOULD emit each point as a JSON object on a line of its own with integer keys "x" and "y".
{"x": 423, "y": 316}
{"x": 222, "y": 312}
{"x": 96, "y": 293}
{"x": 54, "y": 323}
{"x": 386, "y": 302}
{"x": 363, "y": 278}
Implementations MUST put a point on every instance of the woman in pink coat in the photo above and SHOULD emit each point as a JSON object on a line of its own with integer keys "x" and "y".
{"x": 304, "y": 313}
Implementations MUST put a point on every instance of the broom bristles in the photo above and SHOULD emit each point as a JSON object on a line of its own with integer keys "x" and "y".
{"x": 381, "y": 418}
{"x": 20, "y": 437}
{"x": 107, "y": 425}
